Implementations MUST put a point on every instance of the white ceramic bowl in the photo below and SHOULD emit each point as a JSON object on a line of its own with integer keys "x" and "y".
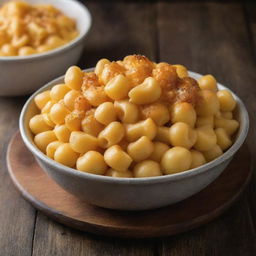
{"x": 23, "y": 75}
{"x": 132, "y": 193}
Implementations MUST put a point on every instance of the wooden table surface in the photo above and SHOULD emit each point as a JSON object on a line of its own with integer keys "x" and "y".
{"x": 217, "y": 38}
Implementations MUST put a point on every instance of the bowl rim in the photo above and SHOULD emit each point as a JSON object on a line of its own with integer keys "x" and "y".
{"x": 60, "y": 49}
{"x": 243, "y": 130}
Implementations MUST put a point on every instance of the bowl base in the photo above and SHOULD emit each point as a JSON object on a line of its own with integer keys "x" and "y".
{"x": 45, "y": 195}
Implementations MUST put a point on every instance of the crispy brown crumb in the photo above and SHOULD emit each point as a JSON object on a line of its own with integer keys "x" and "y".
{"x": 188, "y": 90}
{"x": 90, "y": 79}
{"x": 166, "y": 75}
{"x": 110, "y": 71}
{"x": 138, "y": 67}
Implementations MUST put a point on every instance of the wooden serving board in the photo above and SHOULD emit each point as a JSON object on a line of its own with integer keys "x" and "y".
{"x": 44, "y": 194}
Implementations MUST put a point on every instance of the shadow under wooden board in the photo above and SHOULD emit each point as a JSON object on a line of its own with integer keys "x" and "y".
{"x": 44, "y": 194}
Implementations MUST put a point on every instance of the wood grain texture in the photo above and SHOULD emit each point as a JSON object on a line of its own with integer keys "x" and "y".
{"x": 118, "y": 29}
{"x": 213, "y": 38}
{"x": 250, "y": 16}
{"x": 221, "y": 237}
{"x": 16, "y": 215}
{"x": 38, "y": 188}
{"x": 65, "y": 241}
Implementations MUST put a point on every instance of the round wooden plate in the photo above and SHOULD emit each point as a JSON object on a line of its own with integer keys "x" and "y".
{"x": 44, "y": 194}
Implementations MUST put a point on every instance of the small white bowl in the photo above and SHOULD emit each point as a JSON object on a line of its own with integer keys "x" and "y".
{"x": 23, "y": 75}
{"x": 132, "y": 193}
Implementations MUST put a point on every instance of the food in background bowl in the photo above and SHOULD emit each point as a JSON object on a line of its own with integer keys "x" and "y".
{"x": 37, "y": 69}
{"x": 134, "y": 118}
{"x": 30, "y": 29}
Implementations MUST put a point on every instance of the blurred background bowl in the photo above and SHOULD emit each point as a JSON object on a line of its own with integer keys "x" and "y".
{"x": 23, "y": 75}
{"x": 132, "y": 193}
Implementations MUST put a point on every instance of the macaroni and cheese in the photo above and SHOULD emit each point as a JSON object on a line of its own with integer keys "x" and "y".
{"x": 134, "y": 118}
{"x": 29, "y": 29}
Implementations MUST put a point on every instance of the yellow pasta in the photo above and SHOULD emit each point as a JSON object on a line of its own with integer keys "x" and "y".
{"x": 70, "y": 98}
{"x": 181, "y": 70}
{"x": 208, "y": 82}
{"x": 145, "y": 93}
{"x": 95, "y": 95}
{"x": 226, "y": 99}
{"x": 205, "y": 121}
{"x": 117, "y": 174}
{"x": 52, "y": 147}
{"x": 118, "y": 87}
{"x": 58, "y": 92}
{"x": 117, "y": 159}
{"x": 213, "y": 153}
{"x": 100, "y": 66}
{"x": 74, "y": 78}
{"x": 198, "y": 159}
{"x": 29, "y": 29}
{"x": 227, "y": 115}
{"x": 158, "y": 151}
{"x": 230, "y": 126}
{"x": 26, "y": 50}
{"x": 181, "y": 134}
{"x": 37, "y": 124}
{"x": 48, "y": 120}
{"x": 105, "y": 113}
{"x": 81, "y": 142}
{"x": 176, "y": 159}
{"x": 143, "y": 128}
{"x": 92, "y": 162}
{"x": 43, "y": 139}
{"x": 111, "y": 135}
{"x": 109, "y": 71}
{"x": 183, "y": 112}
{"x": 157, "y": 112}
{"x": 223, "y": 139}
{"x": 206, "y": 138}
{"x": 132, "y": 118}
{"x": 208, "y": 103}
{"x": 8, "y": 50}
{"x": 47, "y": 107}
{"x": 140, "y": 149}
{"x": 162, "y": 134}
{"x": 62, "y": 133}
{"x": 42, "y": 98}
{"x": 73, "y": 120}
{"x": 90, "y": 125}
{"x": 126, "y": 111}
{"x": 58, "y": 113}
{"x": 147, "y": 168}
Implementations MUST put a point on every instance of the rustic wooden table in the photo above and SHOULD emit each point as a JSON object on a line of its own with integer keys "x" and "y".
{"x": 217, "y": 38}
